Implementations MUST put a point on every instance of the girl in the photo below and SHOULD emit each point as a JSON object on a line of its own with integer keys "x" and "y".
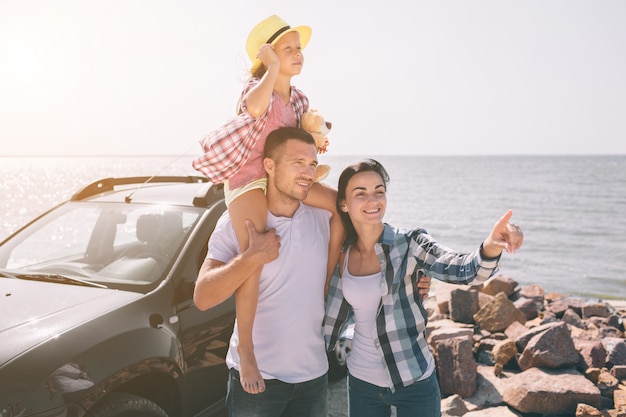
{"x": 390, "y": 362}
{"x": 268, "y": 102}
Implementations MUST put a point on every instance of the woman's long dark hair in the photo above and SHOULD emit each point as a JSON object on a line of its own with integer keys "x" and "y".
{"x": 364, "y": 165}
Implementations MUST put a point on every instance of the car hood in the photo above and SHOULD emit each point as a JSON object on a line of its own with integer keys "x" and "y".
{"x": 32, "y": 312}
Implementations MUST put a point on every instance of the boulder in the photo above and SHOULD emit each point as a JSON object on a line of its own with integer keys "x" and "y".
{"x": 456, "y": 366}
{"x": 500, "y": 283}
{"x": 502, "y": 353}
{"x": 553, "y": 348}
{"x": 498, "y": 314}
{"x": 616, "y": 351}
{"x": 597, "y": 309}
{"x": 544, "y": 391}
{"x": 592, "y": 354}
{"x": 453, "y": 406}
{"x": 533, "y": 292}
{"x": 463, "y": 305}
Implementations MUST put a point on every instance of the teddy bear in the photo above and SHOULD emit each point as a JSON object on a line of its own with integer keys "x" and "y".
{"x": 314, "y": 123}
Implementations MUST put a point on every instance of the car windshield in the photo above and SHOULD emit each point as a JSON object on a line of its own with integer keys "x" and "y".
{"x": 113, "y": 244}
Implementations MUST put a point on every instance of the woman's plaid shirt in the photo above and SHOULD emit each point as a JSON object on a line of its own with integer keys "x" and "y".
{"x": 401, "y": 320}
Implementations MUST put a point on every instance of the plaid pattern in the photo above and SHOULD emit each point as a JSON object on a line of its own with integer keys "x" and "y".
{"x": 401, "y": 321}
{"x": 227, "y": 149}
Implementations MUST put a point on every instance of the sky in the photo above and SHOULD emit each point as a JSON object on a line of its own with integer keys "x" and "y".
{"x": 398, "y": 77}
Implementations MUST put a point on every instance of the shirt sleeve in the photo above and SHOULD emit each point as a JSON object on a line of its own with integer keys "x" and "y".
{"x": 223, "y": 245}
{"x": 445, "y": 264}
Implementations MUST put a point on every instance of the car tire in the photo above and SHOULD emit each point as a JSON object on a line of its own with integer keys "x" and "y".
{"x": 122, "y": 404}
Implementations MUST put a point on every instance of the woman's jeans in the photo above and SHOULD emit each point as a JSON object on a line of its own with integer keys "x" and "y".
{"x": 420, "y": 399}
{"x": 280, "y": 399}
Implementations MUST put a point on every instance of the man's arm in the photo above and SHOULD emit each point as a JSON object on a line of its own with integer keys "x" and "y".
{"x": 217, "y": 281}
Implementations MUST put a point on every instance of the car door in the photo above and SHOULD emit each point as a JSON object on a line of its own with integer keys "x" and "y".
{"x": 205, "y": 335}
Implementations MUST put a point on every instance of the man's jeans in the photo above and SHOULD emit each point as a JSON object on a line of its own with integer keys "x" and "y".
{"x": 280, "y": 399}
{"x": 421, "y": 398}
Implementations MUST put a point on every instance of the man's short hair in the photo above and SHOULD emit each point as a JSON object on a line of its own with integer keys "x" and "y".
{"x": 278, "y": 137}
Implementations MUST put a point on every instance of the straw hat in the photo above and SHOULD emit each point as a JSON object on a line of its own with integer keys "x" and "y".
{"x": 270, "y": 31}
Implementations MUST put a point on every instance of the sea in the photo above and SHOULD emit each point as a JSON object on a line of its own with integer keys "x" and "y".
{"x": 572, "y": 209}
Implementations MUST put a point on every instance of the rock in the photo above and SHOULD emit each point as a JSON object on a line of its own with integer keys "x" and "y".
{"x": 515, "y": 330}
{"x": 463, "y": 305}
{"x": 619, "y": 372}
{"x": 609, "y": 331}
{"x": 598, "y": 309}
{"x": 453, "y": 406}
{"x": 526, "y": 344}
{"x": 438, "y": 324}
{"x": 584, "y": 410}
{"x": 616, "y": 351}
{"x": 522, "y": 340}
{"x": 483, "y": 351}
{"x": 593, "y": 374}
{"x": 619, "y": 399}
{"x": 498, "y": 314}
{"x": 528, "y": 307}
{"x": 443, "y": 293}
{"x": 560, "y": 305}
{"x": 444, "y": 333}
{"x": 502, "y": 353}
{"x": 557, "y": 307}
{"x": 545, "y": 391}
{"x": 607, "y": 384}
{"x": 488, "y": 389}
{"x": 456, "y": 366}
{"x": 484, "y": 299}
{"x": 614, "y": 321}
{"x": 592, "y": 354}
{"x": 570, "y": 317}
{"x": 552, "y": 348}
{"x": 498, "y": 284}
{"x": 533, "y": 292}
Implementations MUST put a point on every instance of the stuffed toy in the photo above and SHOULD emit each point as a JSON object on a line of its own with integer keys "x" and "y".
{"x": 313, "y": 122}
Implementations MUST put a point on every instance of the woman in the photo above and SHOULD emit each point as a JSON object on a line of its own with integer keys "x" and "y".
{"x": 375, "y": 285}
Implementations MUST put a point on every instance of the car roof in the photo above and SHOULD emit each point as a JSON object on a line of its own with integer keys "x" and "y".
{"x": 176, "y": 190}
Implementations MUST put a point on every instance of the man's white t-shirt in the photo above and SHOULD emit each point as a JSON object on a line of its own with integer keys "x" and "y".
{"x": 287, "y": 332}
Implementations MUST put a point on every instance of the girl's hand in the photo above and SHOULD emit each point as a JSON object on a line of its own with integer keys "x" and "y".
{"x": 267, "y": 55}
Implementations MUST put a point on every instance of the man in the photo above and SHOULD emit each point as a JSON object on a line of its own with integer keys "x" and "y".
{"x": 287, "y": 331}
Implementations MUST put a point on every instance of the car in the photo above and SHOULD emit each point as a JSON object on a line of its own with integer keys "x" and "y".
{"x": 97, "y": 315}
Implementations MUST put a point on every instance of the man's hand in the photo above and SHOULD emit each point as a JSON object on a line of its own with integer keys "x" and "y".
{"x": 263, "y": 247}
{"x": 218, "y": 280}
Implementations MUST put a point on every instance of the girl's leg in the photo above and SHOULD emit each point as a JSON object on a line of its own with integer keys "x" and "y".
{"x": 323, "y": 196}
{"x": 250, "y": 205}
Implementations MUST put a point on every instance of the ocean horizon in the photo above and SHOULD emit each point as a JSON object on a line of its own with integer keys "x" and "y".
{"x": 569, "y": 206}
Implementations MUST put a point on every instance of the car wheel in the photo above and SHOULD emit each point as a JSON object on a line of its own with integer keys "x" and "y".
{"x": 122, "y": 404}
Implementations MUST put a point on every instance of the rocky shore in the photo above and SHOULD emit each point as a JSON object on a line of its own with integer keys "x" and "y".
{"x": 503, "y": 349}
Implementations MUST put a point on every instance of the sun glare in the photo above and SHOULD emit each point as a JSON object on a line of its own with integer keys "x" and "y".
{"x": 25, "y": 63}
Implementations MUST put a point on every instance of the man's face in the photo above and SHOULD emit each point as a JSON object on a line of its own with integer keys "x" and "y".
{"x": 294, "y": 170}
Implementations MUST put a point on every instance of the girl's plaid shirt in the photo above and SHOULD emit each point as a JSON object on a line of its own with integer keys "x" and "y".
{"x": 227, "y": 148}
